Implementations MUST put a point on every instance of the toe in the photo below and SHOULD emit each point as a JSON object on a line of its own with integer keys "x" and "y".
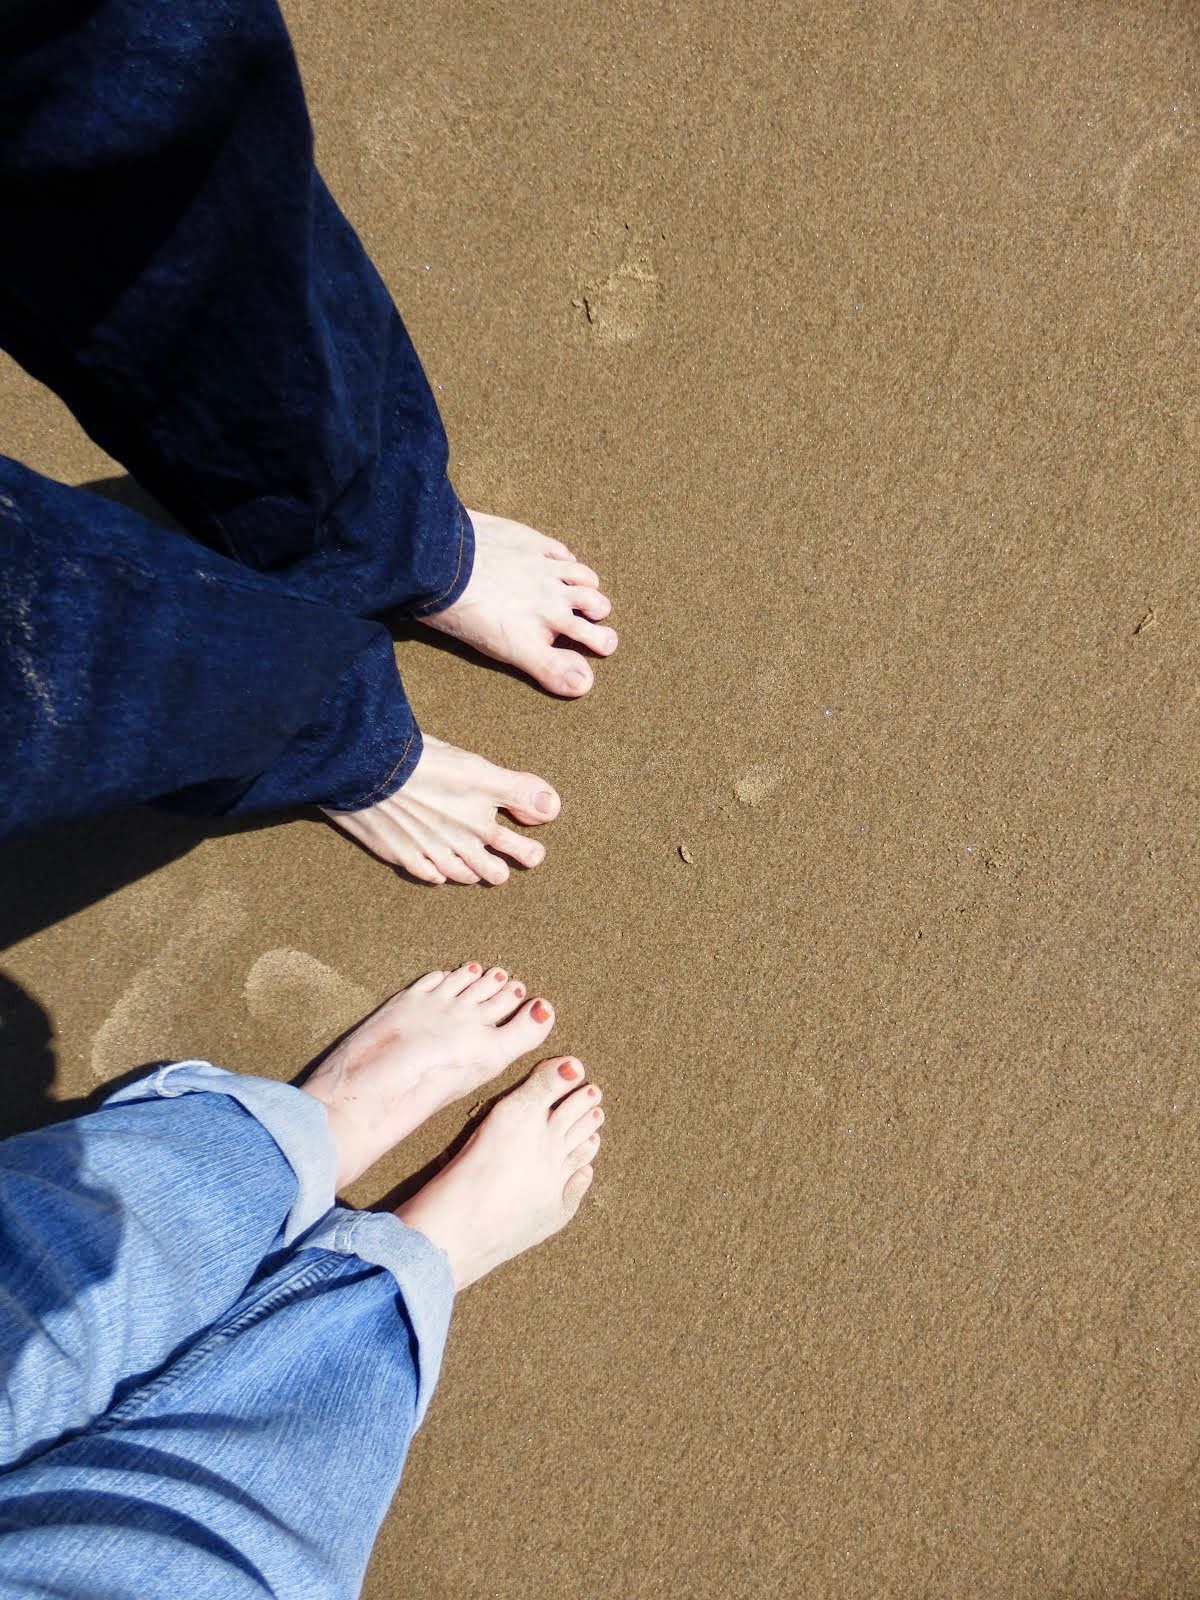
{"x": 575, "y": 572}
{"x": 418, "y": 866}
{"x": 559, "y": 671}
{"x": 590, "y": 1123}
{"x": 428, "y": 983}
{"x": 453, "y": 867}
{"x": 531, "y": 800}
{"x": 526, "y": 852}
{"x": 602, "y": 640}
{"x": 556, "y": 549}
{"x": 576, "y": 1186}
{"x": 545, "y": 1084}
{"x": 502, "y": 1005}
{"x": 583, "y": 1153}
{"x": 531, "y": 1027}
{"x": 588, "y": 602}
{"x": 578, "y": 1106}
{"x": 487, "y": 867}
{"x": 489, "y": 985}
{"x": 461, "y": 978}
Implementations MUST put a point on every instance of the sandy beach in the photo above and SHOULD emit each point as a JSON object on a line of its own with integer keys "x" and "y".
{"x": 856, "y": 346}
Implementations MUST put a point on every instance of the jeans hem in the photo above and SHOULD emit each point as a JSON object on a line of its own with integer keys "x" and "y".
{"x": 295, "y": 1120}
{"x": 421, "y": 1271}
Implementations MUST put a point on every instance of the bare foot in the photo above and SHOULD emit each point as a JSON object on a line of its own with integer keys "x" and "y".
{"x": 423, "y": 1048}
{"x": 442, "y": 825}
{"x": 525, "y": 591}
{"x": 520, "y": 1176}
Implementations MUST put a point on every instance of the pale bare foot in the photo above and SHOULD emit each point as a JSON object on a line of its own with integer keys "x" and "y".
{"x": 525, "y": 591}
{"x": 520, "y": 1176}
{"x": 423, "y": 1048}
{"x": 442, "y": 824}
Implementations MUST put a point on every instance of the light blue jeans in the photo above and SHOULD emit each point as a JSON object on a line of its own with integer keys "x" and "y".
{"x": 211, "y": 1373}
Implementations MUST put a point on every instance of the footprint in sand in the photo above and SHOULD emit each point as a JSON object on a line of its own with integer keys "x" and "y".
{"x": 144, "y": 1024}
{"x": 303, "y": 999}
{"x": 760, "y": 782}
{"x": 619, "y": 307}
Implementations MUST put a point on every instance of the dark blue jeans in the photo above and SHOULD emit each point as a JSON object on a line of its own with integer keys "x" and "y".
{"x": 173, "y": 266}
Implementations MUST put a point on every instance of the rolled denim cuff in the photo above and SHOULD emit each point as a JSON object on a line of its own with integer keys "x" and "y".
{"x": 459, "y": 559}
{"x": 295, "y": 1120}
{"x": 422, "y": 1274}
{"x": 360, "y": 748}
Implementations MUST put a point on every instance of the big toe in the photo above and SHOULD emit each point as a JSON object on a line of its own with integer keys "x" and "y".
{"x": 531, "y": 800}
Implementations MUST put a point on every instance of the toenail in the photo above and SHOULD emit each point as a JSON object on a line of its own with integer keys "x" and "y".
{"x": 596, "y": 1113}
{"x": 576, "y": 680}
{"x": 543, "y": 801}
{"x": 568, "y": 1070}
{"x": 501, "y": 975}
{"x": 540, "y": 1011}
{"x": 473, "y": 967}
{"x": 519, "y": 992}
{"x": 593, "y": 1091}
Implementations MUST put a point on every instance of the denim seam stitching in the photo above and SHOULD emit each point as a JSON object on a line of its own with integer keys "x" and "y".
{"x": 432, "y": 605}
{"x": 365, "y": 800}
{"x": 179, "y": 1370}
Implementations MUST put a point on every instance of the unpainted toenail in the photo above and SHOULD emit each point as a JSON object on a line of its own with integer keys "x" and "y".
{"x": 576, "y": 680}
{"x": 596, "y": 1113}
{"x": 543, "y": 801}
{"x": 540, "y": 1011}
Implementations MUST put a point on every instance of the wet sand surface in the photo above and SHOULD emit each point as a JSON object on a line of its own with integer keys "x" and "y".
{"x": 857, "y": 348}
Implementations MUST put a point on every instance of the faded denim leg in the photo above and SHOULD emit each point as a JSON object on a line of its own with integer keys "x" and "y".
{"x": 135, "y": 664}
{"x": 260, "y": 1457}
{"x": 177, "y": 271}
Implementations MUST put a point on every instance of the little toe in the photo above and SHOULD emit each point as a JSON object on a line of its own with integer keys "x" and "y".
{"x": 428, "y": 983}
{"x": 559, "y": 671}
{"x": 575, "y": 572}
{"x": 531, "y": 800}
{"x": 419, "y": 866}
{"x": 576, "y": 1186}
{"x": 526, "y": 852}
{"x": 461, "y": 978}
{"x": 602, "y": 640}
{"x": 502, "y": 1005}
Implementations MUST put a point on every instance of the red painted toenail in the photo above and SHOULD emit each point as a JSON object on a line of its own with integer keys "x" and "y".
{"x": 519, "y": 992}
{"x": 593, "y": 1092}
{"x": 568, "y": 1070}
{"x": 540, "y": 1011}
{"x": 501, "y": 977}
{"x": 473, "y": 968}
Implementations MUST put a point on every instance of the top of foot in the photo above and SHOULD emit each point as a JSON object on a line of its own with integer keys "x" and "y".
{"x": 525, "y": 592}
{"x": 519, "y": 1178}
{"x": 423, "y": 1048}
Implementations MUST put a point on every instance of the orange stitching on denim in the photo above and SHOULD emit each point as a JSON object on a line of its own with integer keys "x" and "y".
{"x": 366, "y": 800}
{"x": 432, "y": 605}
